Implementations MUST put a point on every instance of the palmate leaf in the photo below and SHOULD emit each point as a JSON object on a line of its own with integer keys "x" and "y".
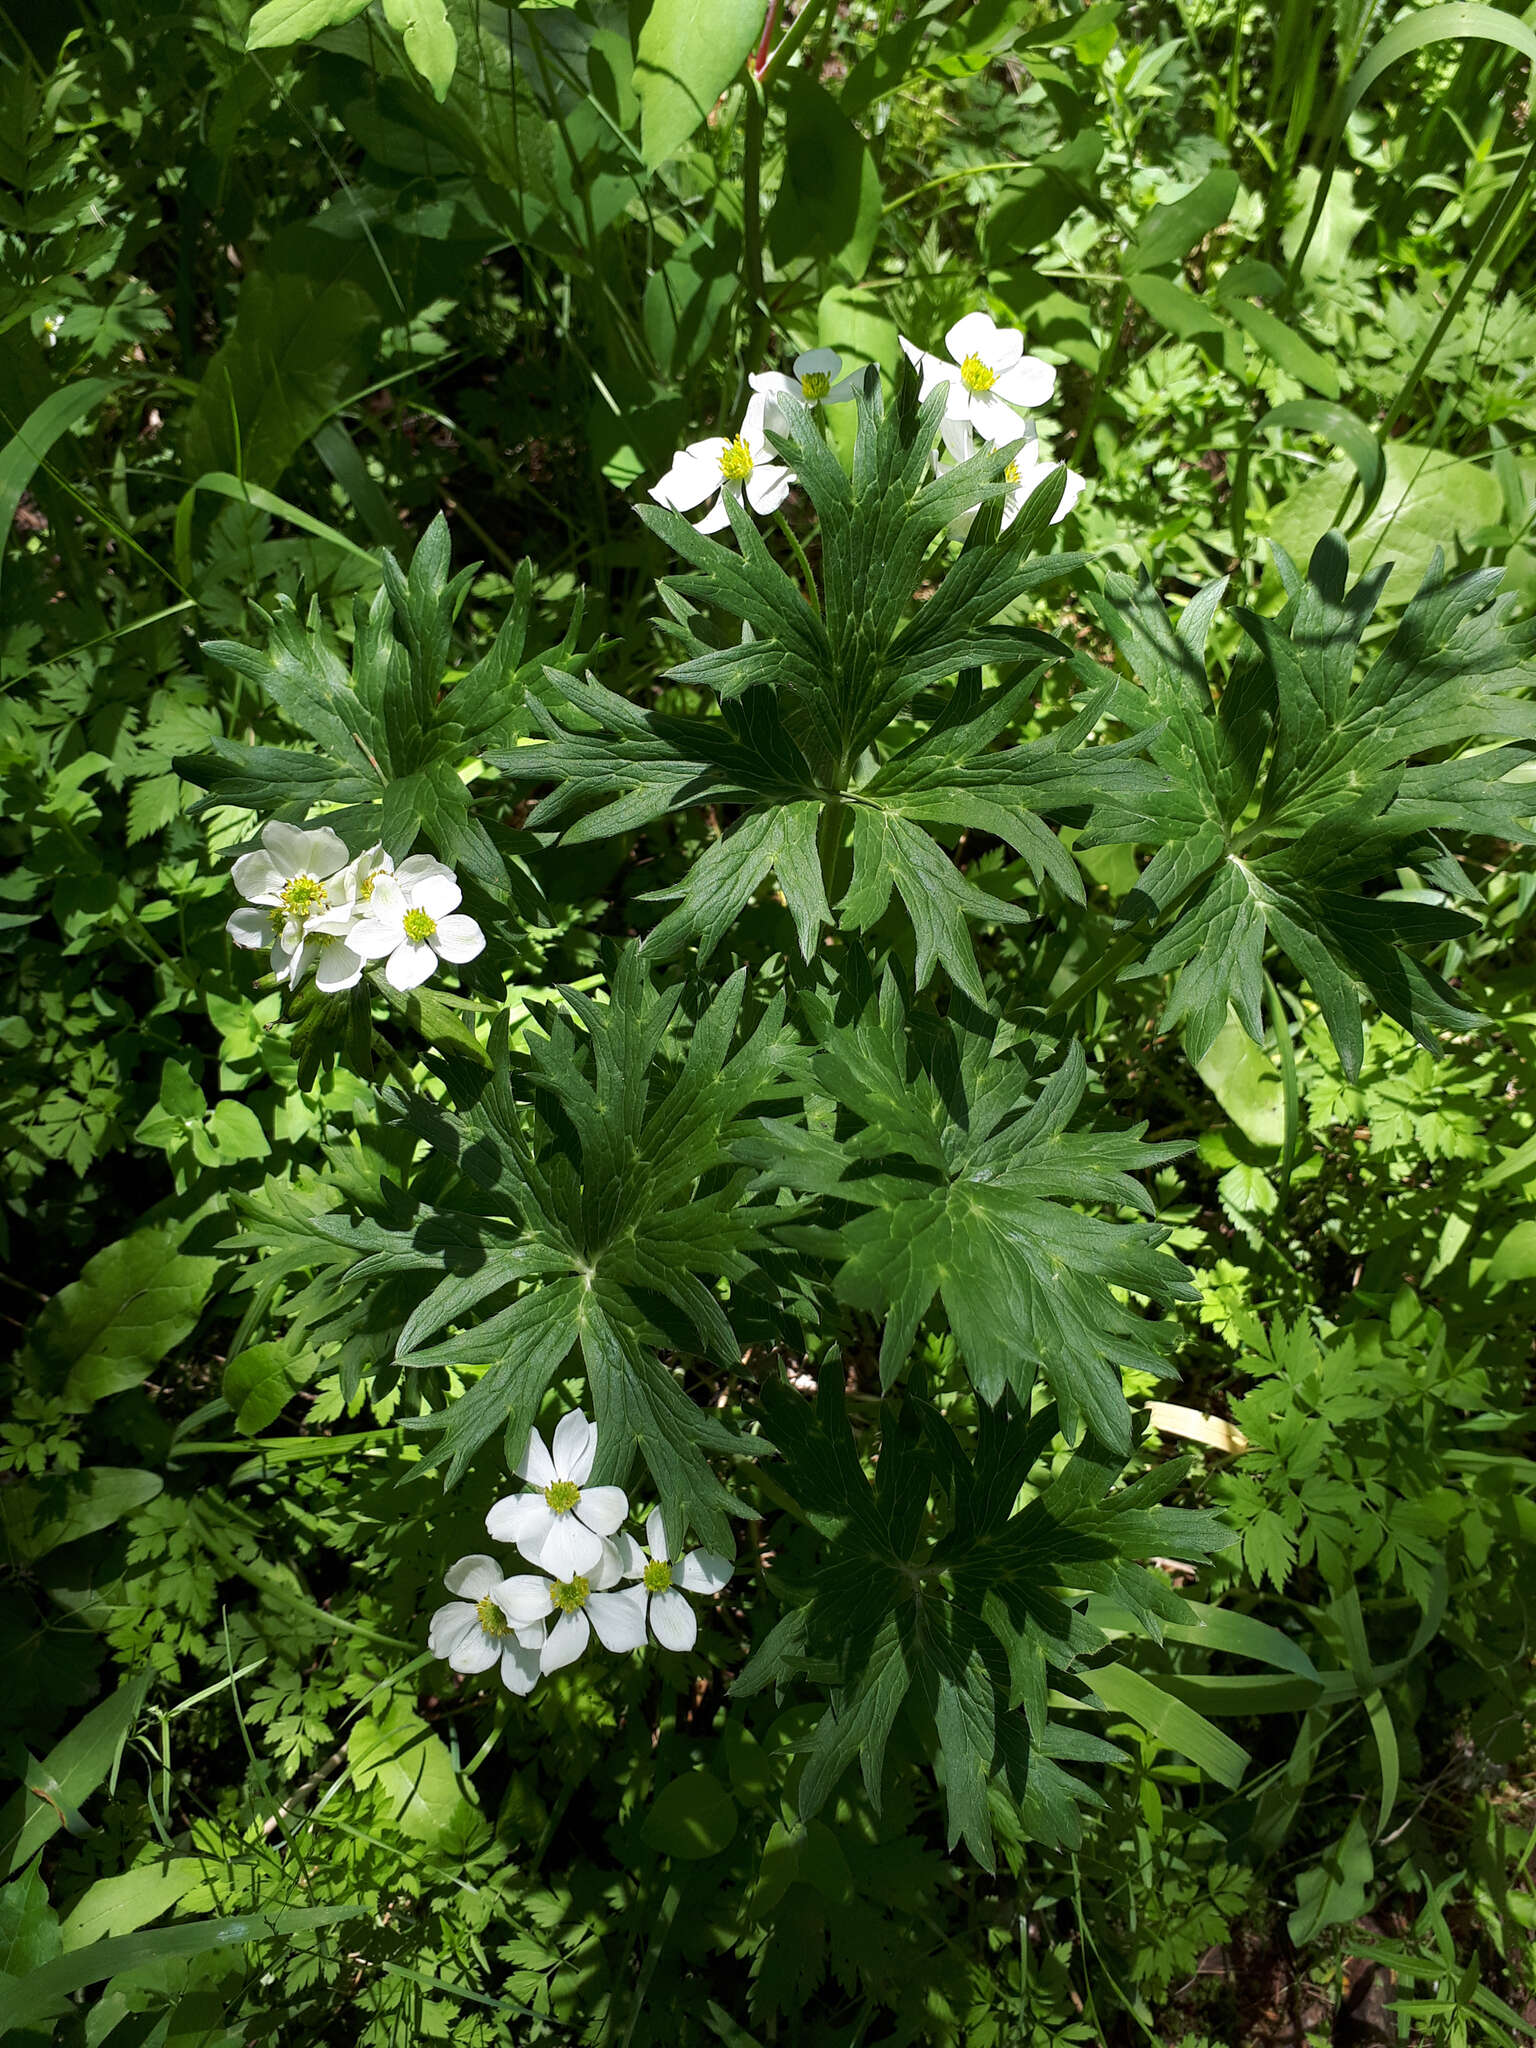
{"x": 959, "y": 1611}
{"x": 966, "y": 1163}
{"x": 590, "y": 1204}
{"x": 1303, "y": 788}
{"x": 842, "y": 740}
{"x": 392, "y": 731}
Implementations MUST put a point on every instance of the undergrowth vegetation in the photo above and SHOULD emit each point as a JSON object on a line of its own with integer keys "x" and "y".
{"x": 769, "y": 1023}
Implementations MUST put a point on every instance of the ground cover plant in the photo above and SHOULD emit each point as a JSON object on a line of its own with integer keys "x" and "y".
{"x": 768, "y": 1023}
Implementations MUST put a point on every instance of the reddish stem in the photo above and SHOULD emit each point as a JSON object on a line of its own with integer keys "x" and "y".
{"x": 760, "y": 61}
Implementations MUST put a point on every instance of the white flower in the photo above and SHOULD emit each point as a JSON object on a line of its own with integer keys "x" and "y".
{"x": 1024, "y": 475}
{"x": 52, "y": 322}
{"x": 673, "y": 1622}
{"x": 582, "y": 1603}
{"x": 989, "y": 376}
{"x": 745, "y": 466}
{"x": 475, "y": 1632}
{"x": 409, "y": 922}
{"x": 288, "y": 887}
{"x": 816, "y": 381}
{"x": 561, "y": 1524}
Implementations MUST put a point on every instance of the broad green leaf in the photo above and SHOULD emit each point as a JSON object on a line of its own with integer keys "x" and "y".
{"x": 399, "y": 1753}
{"x": 1514, "y": 1256}
{"x": 1174, "y": 1724}
{"x": 121, "y": 1905}
{"x": 429, "y": 40}
{"x": 829, "y": 200}
{"x": 692, "y": 1818}
{"x": 281, "y": 22}
{"x": 260, "y": 1381}
{"x": 1244, "y": 1081}
{"x": 308, "y": 313}
{"x": 1428, "y": 502}
{"x": 29, "y": 1927}
{"x": 1336, "y": 1890}
{"x": 689, "y": 51}
{"x": 1171, "y": 230}
{"x": 33, "y": 439}
{"x": 53, "y": 1791}
{"x": 46, "y": 1994}
{"x": 132, "y": 1304}
{"x": 40, "y": 1515}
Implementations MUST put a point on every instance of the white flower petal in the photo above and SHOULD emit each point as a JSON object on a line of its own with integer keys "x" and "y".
{"x": 258, "y": 878}
{"x": 631, "y": 1556}
{"x": 565, "y": 1641}
{"x": 772, "y": 384}
{"x": 474, "y": 1576}
{"x": 531, "y": 1634}
{"x": 992, "y": 418}
{"x": 449, "y": 1625}
{"x": 1028, "y": 383}
{"x": 619, "y": 1618}
{"x": 752, "y": 425}
{"x": 529, "y": 1526}
{"x": 458, "y": 939}
{"x": 844, "y": 389}
{"x": 976, "y": 334}
{"x": 609, "y": 1568}
{"x": 818, "y": 362}
{"x": 703, "y": 1571}
{"x": 420, "y": 867}
{"x": 656, "y": 1534}
{"x": 569, "y": 1550}
{"x": 536, "y": 1465}
{"x": 767, "y": 487}
{"x": 520, "y": 1666}
{"x": 715, "y": 518}
{"x": 475, "y": 1652}
{"x": 695, "y": 472}
{"x": 410, "y": 964}
{"x": 438, "y": 895}
{"x": 337, "y": 967}
{"x": 298, "y": 852}
{"x": 603, "y": 1508}
{"x": 525, "y": 1598}
{"x": 573, "y": 1447}
{"x": 371, "y": 937}
{"x": 249, "y": 926}
{"x": 673, "y": 1622}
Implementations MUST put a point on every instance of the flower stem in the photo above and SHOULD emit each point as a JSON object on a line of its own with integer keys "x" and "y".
{"x": 811, "y": 597}
{"x": 770, "y": 23}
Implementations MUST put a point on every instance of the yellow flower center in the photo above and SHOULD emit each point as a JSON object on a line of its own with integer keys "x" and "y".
{"x": 491, "y": 1618}
{"x": 569, "y": 1595}
{"x": 561, "y": 1496}
{"x": 657, "y": 1576}
{"x": 736, "y": 461}
{"x": 365, "y": 886}
{"x": 975, "y": 375}
{"x": 418, "y": 925}
{"x": 1011, "y": 475}
{"x": 303, "y": 896}
{"x": 815, "y": 384}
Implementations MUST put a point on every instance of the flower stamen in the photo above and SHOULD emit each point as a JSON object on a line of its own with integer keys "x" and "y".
{"x": 418, "y": 925}
{"x": 303, "y": 896}
{"x": 736, "y": 461}
{"x": 491, "y": 1618}
{"x": 975, "y": 375}
{"x": 657, "y": 1576}
{"x": 815, "y": 384}
{"x": 561, "y": 1496}
{"x": 569, "y": 1595}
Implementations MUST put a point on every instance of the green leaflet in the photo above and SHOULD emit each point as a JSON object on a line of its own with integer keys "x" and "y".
{"x": 591, "y": 1204}
{"x": 392, "y": 731}
{"x": 814, "y": 735}
{"x": 1300, "y": 788}
{"x": 966, "y": 1163}
{"x": 964, "y": 1622}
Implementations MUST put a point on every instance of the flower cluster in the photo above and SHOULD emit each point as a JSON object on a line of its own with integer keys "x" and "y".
{"x": 318, "y": 908}
{"x": 989, "y": 384}
{"x": 535, "y": 1622}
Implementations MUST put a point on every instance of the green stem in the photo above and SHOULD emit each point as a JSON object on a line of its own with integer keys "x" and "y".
{"x": 1481, "y": 257}
{"x": 752, "y": 196}
{"x": 811, "y": 597}
{"x": 829, "y": 845}
{"x": 793, "y": 37}
{"x": 1103, "y": 969}
{"x": 1108, "y": 360}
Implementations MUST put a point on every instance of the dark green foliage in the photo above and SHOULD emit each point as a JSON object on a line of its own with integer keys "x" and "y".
{"x": 1305, "y": 784}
